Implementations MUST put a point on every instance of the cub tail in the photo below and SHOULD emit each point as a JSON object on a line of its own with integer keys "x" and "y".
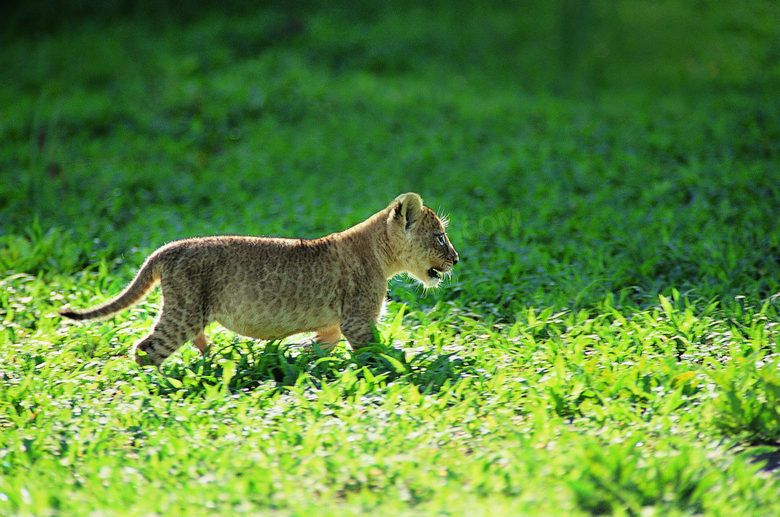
{"x": 144, "y": 281}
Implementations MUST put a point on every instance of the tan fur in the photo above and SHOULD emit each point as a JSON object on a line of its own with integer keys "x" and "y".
{"x": 270, "y": 288}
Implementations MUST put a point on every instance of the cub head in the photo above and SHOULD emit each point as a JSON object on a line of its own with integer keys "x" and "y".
{"x": 419, "y": 240}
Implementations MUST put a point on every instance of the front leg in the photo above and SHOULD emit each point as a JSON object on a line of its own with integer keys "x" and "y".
{"x": 360, "y": 331}
{"x": 201, "y": 343}
{"x": 328, "y": 338}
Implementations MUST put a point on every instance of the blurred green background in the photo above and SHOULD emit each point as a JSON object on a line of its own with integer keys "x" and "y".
{"x": 562, "y": 45}
{"x": 580, "y": 147}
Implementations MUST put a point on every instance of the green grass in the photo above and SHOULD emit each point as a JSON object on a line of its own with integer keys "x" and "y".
{"x": 608, "y": 343}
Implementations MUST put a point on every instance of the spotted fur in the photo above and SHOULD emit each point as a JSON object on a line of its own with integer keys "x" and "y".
{"x": 270, "y": 288}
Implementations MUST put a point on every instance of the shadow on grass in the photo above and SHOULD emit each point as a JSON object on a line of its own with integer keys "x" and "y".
{"x": 242, "y": 367}
{"x": 770, "y": 461}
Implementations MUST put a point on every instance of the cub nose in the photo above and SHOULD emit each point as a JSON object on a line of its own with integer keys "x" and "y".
{"x": 455, "y": 260}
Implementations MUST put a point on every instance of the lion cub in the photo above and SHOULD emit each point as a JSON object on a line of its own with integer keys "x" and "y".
{"x": 270, "y": 288}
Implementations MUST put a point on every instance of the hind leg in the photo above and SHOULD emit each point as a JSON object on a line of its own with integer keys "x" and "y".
{"x": 182, "y": 318}
{"x": 170, "y": 333}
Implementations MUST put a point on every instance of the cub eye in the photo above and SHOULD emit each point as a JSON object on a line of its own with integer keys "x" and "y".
{"x": 440, "y": 239}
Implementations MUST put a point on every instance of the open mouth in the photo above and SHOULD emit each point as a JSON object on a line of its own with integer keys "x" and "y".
{"x": 434, "y": 272}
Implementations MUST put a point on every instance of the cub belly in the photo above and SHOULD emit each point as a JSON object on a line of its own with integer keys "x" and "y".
{"x": 266, "y": 328}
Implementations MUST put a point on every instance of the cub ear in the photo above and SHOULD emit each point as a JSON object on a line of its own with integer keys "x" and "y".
{"x": 407, "y": 209}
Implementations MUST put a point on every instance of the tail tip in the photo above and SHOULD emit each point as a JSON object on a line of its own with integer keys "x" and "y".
{"x": 69, "y": 313}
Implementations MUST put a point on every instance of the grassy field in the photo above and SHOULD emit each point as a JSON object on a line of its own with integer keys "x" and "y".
{"x": 608, "y": 344}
